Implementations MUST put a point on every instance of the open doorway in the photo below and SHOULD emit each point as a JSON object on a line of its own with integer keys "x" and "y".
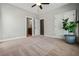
{"x": 42, "y": 27}
{"x": 29, "y": 26}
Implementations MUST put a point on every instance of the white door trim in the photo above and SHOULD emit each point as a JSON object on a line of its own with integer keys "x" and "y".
{"x": 33, "y": 26}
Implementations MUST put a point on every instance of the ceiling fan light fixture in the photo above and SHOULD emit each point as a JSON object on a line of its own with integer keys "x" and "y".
{"x": 38, "y": 4}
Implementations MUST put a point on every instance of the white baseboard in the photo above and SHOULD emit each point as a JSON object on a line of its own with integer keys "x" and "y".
{"x": 54, "y": 36}
{"x": 12, "y": 38}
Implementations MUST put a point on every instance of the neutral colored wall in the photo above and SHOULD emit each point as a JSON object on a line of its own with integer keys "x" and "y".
{"x": 49, "y": 19}
{"x": 0, "y": 24}
{"x": 13, "y": 21}
{"x": 37, "y": 27}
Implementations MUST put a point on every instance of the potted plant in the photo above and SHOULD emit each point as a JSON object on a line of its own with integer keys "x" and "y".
{"x": 70, "y": 28}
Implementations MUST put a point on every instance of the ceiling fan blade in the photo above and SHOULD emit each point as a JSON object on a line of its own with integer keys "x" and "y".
{"x": 41, "y": 7}
{"x": 45, "y": 3}
{"x": 33, "y": 5}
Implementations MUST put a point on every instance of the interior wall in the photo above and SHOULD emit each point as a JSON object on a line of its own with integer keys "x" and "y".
{"x": 59, "y": 31}
{"x": 37, "y": 27}
{"x": 50, "y": 27}
{"x": 0, "y": 24}
{"x": 13, "y": 21}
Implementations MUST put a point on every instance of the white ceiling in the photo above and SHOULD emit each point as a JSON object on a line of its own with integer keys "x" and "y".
{"x": 36, "y": 9}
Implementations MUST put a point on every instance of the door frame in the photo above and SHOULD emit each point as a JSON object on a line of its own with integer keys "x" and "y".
{"x": 33, "y": 26}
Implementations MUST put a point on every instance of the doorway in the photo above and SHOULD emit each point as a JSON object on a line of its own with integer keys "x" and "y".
{"x": 29, "y": 26}
{"x": 42, "y": 27}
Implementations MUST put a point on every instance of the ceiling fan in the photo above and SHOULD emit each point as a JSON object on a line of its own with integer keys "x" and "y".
{"x": 40, "y": 5}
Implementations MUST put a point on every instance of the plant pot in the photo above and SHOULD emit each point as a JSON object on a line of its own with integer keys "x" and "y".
{"x": 70, "y": 39}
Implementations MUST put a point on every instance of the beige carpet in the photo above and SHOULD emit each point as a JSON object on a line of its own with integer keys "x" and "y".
{"x": 38, "y": 46}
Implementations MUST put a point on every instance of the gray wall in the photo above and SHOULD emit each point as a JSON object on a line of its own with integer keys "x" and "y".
{"x": 13, "y": 21}
{"x": 0, "y": 23}
{"x": 49, "y": 18}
